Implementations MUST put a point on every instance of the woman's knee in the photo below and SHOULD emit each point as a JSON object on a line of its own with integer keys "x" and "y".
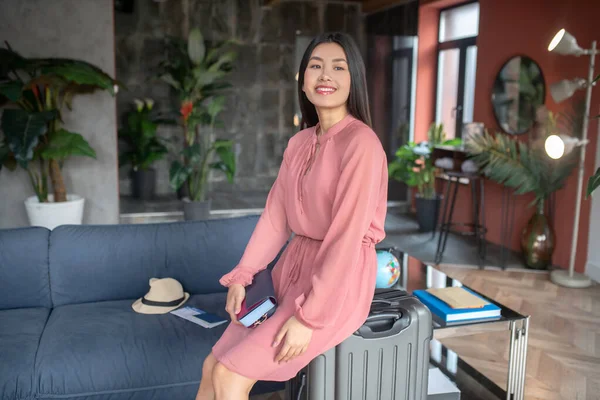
{"x": 225, "y": 381}
{"x": 209, "y": 363}
{"x": 221, "y": 375}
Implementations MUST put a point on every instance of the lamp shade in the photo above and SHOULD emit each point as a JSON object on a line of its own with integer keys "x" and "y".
{"x": 564, "y": 89}
{"x": 557, "y": 146}
{"x": 565, "y": 43}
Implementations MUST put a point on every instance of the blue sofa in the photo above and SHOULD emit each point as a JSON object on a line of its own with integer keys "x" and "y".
{"x": 67, "y": 329}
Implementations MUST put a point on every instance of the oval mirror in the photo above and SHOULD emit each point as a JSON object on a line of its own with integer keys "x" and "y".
{"x": 519, "y": 89}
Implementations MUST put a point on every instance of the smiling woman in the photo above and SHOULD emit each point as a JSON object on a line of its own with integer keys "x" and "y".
{"x": 333, "y": 64}
{"x": 331, "y": 192}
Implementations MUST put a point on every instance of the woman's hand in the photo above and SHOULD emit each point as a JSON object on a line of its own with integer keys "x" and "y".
{"x": 235, "y": 296}
{"x": 295, "y": 336}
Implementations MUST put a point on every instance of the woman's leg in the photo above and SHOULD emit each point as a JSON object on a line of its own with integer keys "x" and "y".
{"x": 230, "y": 385}
{"x": 206, "y": 391}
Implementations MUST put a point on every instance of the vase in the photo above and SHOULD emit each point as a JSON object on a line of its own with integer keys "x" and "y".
{"x": 51, "y": 214}
{"x": 538, "y": 240}
{"x": 428, "y": 211}
{"x": 143, "y": 183}
{"x": 196, "y": 210}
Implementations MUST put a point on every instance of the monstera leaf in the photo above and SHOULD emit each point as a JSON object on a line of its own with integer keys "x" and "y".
{"x": 22, "y": 130}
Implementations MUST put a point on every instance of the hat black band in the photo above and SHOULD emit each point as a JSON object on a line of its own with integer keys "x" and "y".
{"x": 162, "y": 303}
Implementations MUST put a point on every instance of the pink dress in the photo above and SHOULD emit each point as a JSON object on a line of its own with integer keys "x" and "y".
{"x": 331, "y": 192}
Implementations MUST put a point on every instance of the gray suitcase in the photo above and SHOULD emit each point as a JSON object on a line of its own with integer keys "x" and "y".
{"x": 387, "y": 358}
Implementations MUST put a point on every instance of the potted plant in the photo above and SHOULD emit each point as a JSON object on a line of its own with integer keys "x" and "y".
{"x": 413, "y": 166}
{"x": 527, "y": 169}
{"x": 197, "y": 74}
{"x": 37, "y": 91}
{"x": 144, "y": 147}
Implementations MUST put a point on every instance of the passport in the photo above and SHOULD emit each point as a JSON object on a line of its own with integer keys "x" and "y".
{"x": 260, "y": 302}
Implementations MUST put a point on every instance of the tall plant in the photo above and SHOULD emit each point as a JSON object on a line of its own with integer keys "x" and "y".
{"x": 197, "y": 73}
{"x": 517, "y": 165}
{"x": 37, "y": 91}
{"x": 139, "y": 132}
{"x": 413, "y": 164}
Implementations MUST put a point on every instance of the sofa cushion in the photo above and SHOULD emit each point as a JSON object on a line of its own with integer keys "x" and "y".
{"x": 20, "y": 332}
{"x": 106, "y": 348}
{"x": 24, "y": 278}
{"x": 115, "y": 262}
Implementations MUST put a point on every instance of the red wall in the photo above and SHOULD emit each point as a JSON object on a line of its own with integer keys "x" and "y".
{"x": 508, "y": 28}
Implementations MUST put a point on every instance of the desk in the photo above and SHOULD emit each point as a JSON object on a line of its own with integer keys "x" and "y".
{"x": 418, "y": 275}
{"x": 458, "y": 155}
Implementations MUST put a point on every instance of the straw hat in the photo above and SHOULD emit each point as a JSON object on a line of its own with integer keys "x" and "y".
{"x": 165, "y": 295}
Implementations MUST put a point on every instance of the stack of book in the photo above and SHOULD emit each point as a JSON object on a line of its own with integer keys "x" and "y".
{"x": 457, "y": 304}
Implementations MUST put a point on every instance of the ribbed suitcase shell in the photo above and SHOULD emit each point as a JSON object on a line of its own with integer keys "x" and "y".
{"x": 383, "y": 360}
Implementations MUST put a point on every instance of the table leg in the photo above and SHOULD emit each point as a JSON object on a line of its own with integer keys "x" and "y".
{"x": 517, "y": 359}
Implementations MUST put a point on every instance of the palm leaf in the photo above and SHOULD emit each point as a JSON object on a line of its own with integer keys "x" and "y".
{"x": 513, "y": 164}
{"x": 499, "y": 158}
{"x": 594, "y": 181}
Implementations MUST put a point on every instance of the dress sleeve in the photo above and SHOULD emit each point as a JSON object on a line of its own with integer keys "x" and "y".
{"x": 363, "y": 179}
{"x": 270, "y": 234}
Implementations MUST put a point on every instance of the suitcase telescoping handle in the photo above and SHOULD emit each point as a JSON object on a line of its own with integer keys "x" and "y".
{"x": 384, "y": 324}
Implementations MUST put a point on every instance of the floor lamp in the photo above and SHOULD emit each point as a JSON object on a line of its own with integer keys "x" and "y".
{"x": 558, "y": 145}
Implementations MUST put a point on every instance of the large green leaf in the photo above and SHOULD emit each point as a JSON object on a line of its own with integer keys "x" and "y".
{"x": 79, "y": 72}
{"x": 196, "y": 47}
{"x": 215, "y": 106}
{"x": 204, "y": 77}
{"x": 223, "y": 60}
{"x": 63, "y": 144}
{"x": 593, "y": 183}
{"x": 193, "y": 154}
{"x": 168, "y": 78}
{"x": 224, "y": 149}
{"x": 11, "y": 61}
{"x": 178, "y": 174}
{"x": 22, "y": 131}
{"x": 11, "y": 90}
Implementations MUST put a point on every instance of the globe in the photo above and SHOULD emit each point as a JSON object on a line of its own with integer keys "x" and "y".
{"x": 388, "y": 269}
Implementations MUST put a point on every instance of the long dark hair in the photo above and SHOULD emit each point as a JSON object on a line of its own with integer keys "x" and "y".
{"x": 358, "y": 99}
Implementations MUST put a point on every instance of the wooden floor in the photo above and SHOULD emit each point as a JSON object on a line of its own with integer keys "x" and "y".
{"x": 563, "y": 360}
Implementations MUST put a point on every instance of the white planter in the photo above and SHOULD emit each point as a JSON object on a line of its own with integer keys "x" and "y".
{"x": 51, "y": 215}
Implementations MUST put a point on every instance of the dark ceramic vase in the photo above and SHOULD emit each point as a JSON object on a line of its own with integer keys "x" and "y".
{"x": 143, "y": 183}
{"x": 428, "y": 211}
{"x": 538, "y": 241}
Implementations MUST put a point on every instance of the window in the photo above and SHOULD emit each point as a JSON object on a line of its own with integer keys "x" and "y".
{"x": 457, "y": 65}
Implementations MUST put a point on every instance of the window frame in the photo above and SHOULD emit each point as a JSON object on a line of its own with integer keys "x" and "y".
{"x": 462, "y": 45}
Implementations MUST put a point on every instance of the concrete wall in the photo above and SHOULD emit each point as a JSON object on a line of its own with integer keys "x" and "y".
{"x": 73, "y": 29}
{"x": 261, "y": 105}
